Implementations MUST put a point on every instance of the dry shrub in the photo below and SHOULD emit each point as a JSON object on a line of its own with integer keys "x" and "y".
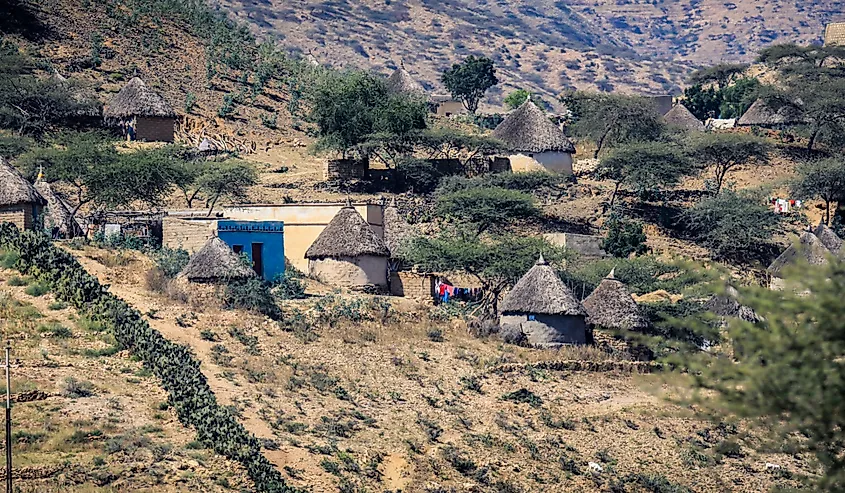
{"x": 156, "y": 281}
{"x": 120, "y": 258}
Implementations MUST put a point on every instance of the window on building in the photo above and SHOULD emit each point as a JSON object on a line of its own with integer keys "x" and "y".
{"x": 238, "y": 249}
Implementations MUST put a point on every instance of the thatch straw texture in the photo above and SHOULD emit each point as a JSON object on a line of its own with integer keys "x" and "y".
{"x": 15, "y": 189}
{"x": 58, "y": 213}
{"x": 680, "y": 116}
{"x": 347, "y": 235}
{"x": 528, "y": 129}
{"x": 829, "y": 239}
{"x": 396, "y": 229}
{"x": 809, "y": 249}
{"x": 761, "y": 114}
{"x": 611, "y": 306}
{"x": 401, "y": 82}
{"x": 136, "y": 99}
{"x": 216, "y": 262}
{"x": 540, "y": 291}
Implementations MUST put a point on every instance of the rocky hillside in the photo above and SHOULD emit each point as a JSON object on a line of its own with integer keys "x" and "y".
{"x": 634, "y": 45}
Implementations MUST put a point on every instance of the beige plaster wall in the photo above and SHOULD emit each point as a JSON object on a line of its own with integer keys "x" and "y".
{"x": 352, "y": 273}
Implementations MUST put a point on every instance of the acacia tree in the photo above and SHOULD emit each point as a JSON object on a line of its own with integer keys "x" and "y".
{"x": 723, "y": 152}
{"x": 644, "y": 167}
{"x": 469, "y": 80}
{"x": 516, "y": 98}
{"x": 721, "y": 75}
{"x": 613, "y": 119}
{"x": 821, "y": 179}
{"x": 782, "y": 372}
{"x": 482, "y": 209}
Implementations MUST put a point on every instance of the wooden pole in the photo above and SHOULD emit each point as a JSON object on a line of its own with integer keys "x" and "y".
{"x": 7, "y": 364}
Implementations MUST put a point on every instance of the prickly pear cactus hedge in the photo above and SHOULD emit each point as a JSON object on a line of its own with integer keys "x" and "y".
{"x": 189, "y": 393}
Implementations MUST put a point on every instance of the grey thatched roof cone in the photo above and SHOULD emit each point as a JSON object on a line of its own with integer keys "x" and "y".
{"x": 347, "y": 235}
{"x": 829, "y": 239}
{"x": 727, "y": 305}
{"x": 611, "y": 306}
{"x": 136, "y": 99}
{"x": 402, "y": 82}
{"x": 214, "y": 262}
{"x": 528, "y": 129}
{"x": 762, "y": 114}
{"x": 540, "y": 291}
{"x": 15, "y": 189}
{"x": 58, "y": 212}
{"x": 810, "y": 249}
{"x": 396, "y": 229}
{"x": 680, "y": 116}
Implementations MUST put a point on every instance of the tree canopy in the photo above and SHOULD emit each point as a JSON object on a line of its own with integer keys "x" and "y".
{"x": 721, "y": 75}
{"x": 516, "y": 98}
{"x": 486, "y": 208}
{"x": 469, "y": 80}
{"x": 824, "y": 179}
{"x": 723, "y": 152}
{"x": 644, "y": 167}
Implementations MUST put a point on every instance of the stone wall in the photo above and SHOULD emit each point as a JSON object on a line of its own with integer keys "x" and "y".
{"x": 587, "y": 247}
{"x": 190, "y": 235}
{"x": 345, "y": 169}
{"x": 412, "y": 285}
{"x": 154, "y": 129}
{"x": 19, "y": 214}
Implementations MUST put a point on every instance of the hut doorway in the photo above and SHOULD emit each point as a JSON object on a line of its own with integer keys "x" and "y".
{"x": 258, "y": 258}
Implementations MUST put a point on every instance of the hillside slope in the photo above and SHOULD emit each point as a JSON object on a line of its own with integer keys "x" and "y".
{"x": 549, "y": 45}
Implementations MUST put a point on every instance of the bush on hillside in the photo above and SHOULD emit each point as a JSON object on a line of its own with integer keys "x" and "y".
{"x": 171, "y": 261}
{"x": 251, "y": 294}
{"x": 290, "y": 285}
{"x": 624, "y": 238}
{"x": 417, "y": 176}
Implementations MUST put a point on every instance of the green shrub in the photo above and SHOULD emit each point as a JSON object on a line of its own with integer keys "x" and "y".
{"x": 290, "y": 285}
{"x": 526, "y": 182}
{"x": 55, "y": 329}
{"x": 624, "y": 238}
{"x": 171, "y": 261}
{"x": 208, "y": 335}
{"x": 524, "y": 396}
{"x": 74, "y": 388}
{"x": 8, "y": 260}
{"x": 37, "y": 289}
{"x": 269, "y": 120}
{"x": 56, "y": 305}
{"x": 435, "y": 335}
{"x": 190, "y": 102}
{"x": 251, "y": 294}
{"x": 16, "y": 281}
{"x": 227, "y": 107}
{"x": 417, "y": 175}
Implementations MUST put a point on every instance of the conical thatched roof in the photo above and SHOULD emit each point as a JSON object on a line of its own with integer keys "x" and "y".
{"x": 829, "y": 239}
{"x": 727, "y": 305}
{"x": 611, "y": 306}
{"x": 215, "y": 261}
{"x": 809, "y": 249}
{"x": 402, "y": 82}
{"x": 58, "y": 213}
{"x": 540, "y": 291}
{"x": 15, "y": 189}
{"x": 136, "y": 99}
{"x": 528, "y": 129}
{"x": 396, "y": 229}
{"x": 680, "y": 116}
{"x": 761, "y": 114}
{"x": 347, "y": 235}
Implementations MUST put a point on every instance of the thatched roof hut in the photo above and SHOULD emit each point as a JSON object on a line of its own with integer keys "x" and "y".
{"x": 15, "y": 189}
{"x": 829, "y": 239}
{"x": 402, "y": 82}
{"x": 809, "y": 249}
{"x": 396, "y": 229}
{"x": 527, "y": 129}
{"x": 611, "y": 306}
{"x": 762, "y": 114}
{"x": 58, "y": 213}
{"x": 541, "y": 291}
{"x": 679, "y": 116}
{"x": 728, "y": 306}
{"x": 347, "y": 235}
{"x": 216, "y": 262}
{"x": 136, "y": 99}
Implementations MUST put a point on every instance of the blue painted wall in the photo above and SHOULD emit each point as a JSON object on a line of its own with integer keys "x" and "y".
{"x": 252, "y": 236}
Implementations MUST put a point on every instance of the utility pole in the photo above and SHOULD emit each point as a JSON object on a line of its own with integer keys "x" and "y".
{"x": 8, "y": 366}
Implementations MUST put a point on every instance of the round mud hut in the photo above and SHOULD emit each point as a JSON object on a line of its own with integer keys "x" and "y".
{"x": 142, "y": 113}
{"x": 611, "y": 306}
{"x": 402, "y": 82}
{"x": 216, "y": 263}
{"x": 57, "y": 217}
{"x": 20, "y": 202}
{"x": 349, "y": 254}
{"x": 544, "y": 309}
{"x": 680, "y": 117}
{"x": 762, "y": 114}
{"x": 534, "y": 142}
{"x": 809, "y": 250}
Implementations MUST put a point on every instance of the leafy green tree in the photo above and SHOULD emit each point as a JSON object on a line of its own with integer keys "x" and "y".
{"x": 732, "y": 224}
{"x": 703, "y": 102}
{"x": 516, "y": 98}
{"x": 450, "y": 143}
{"x": 224, "y": 180}
{"x": 644, "y": 167}
{"x": 486, "y": 208}
{"x": 418, "y": 175}
{"x": 739, "y": 96}
{"x": 721, "y": 75}
{"x": 497, "y": 262}
{"x": 783, "y": 373}
{"x": 823, "y": 179}
{"x": 469, "y": 80}
{"x": 723, "y": 152}
{"x": 624, "y": 237}
{"x": 613, "y": 119}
